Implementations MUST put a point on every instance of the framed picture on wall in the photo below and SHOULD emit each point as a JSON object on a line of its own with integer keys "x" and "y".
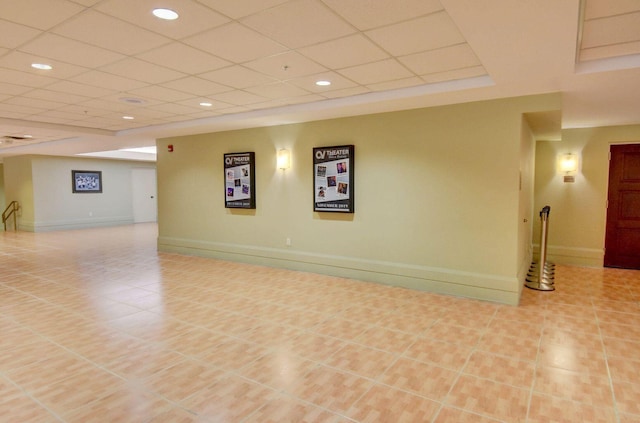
{"x": 86, "y": 181}
{"x": 240, "y": 180}
{"x": 333, "y": 177}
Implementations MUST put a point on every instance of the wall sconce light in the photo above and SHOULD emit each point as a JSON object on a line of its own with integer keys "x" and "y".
{"x": 284, "y": 159}
{"x": 568, "y": 166}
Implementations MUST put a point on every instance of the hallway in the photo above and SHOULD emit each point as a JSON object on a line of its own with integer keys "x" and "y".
{"x": 97, "y": 326}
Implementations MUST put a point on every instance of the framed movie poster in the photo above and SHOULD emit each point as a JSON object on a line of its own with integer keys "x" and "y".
{"x": 240, "y": 180}
{"x": 333, "y": 189}
{"x": 86, "y": 181}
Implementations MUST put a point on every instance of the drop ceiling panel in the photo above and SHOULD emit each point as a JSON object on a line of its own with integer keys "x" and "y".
{"x": 602, "y": 8}
{"x": 606, "y": 52}
{"x": 108, "y": 81}
{"x": 79, "y": 89}
{"x": 286, "y": 66}
{"x": 142, "y": 71}
{"x": 238, "y": 9}
{"x": 66, "y": 98}
{"x": 194, "y": 17}
{"x": 12, "y": 89}
{"x": 239, "y": 98}
{"x": 41, "y": 14}
{"x": 612, "y": 30}
{"x": 372, "y": 73}
{"x": 367, "y": 14}
{"x": 183, "y": 58}
{"x": 13, "y": 35}
{"x": 197, "y": 86}
{"x": 20, "y": 61}
{"x": 345, "y": 52}
{"x": 338, "y": 82}
{"x": 247, "y": 45}
{"x": 238, "y": 77}
{"x": 395, "y": 84}
{"x": 299, "y": 23}
{"x": 427, "y": 33}
{"x": 277, "y": 90}
{"x": 70, "y": 51}
{"x": 28, "y": 79}
{"x": 470, "y": 72}
{"x": 35, "y": 103}
{"x": 161, "y": 93}
{"x": 174, "y": 109}
{"x": 444, "y": 59}
{"x": 110, "y": 33}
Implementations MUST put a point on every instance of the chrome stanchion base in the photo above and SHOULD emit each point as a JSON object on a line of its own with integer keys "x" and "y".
{"x": 540, "y": 286}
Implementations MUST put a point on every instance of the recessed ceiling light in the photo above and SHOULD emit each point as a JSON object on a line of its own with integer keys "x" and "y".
{"x": 206, "y": 104}
{"x": 28, "y": 136}
{"x": 128, "y": 117}
{"x": 166, "y": 14}
{"x": 41, "y": 66}
{"x": 323, "y": 83}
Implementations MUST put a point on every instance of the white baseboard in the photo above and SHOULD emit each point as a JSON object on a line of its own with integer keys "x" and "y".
{"x": 75, "y": 224}
{"x": 487, "y": 287}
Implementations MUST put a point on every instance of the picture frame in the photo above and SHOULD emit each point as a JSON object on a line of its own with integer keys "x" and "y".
{"x": 333, "y": 179}
{"x": 240, "y": 180}
{"x": 86, "y": 181}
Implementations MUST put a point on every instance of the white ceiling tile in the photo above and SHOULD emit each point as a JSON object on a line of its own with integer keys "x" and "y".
{"x": 70, "y": 51}
{"x": 239, "y": 98}
{"x": 79, "y": 89}
{"x": 142, "y": 71}
{"x": 286, "y": 66}
{"x": 110, "y": 33}
{"x": 277, "y": 90}
{"x": 109, "y": 81}
{"x": 20, "y": 61}
{"x": 87, "y": 3}
{"x": 197, "y": 86}
{"x": 110, "y": 103}
{"x": 83, "y": 110}
{"x": 338, "y": 82}
{"x": 183, "y": 58}
{"x": 24, "y": 78}
{"x": 161, "y": 93}
{"x": 35, "y": 102}
{"x": 444, "y": 59}
{"x": 614, "y": 50}
{"x": 427, "y": 33}
{"x": 238, "y": 77}
{"x": 299, "y": 23}
{"x": 173, "y": 108}
{"x": 238, "y": 9}
{"x": 372, "y": 73}
{"x": 194, "y": 17}
{"x": 601, "y": 8}
{"x": 347, "y": 92}
{"x": 13, "y": 35}
{"x": 470, "y": 72}
{"x": 367, "y": 14}
{"x": 203, "y": 114}
{"x": 240, "y": 44}
{"x": 396, "y": 84}
{"x": 612, "y": 30}
{"x": 4, "y": 107}
{"x": 41, "y": 14}
{"x": 195, "y": 102}
{"x": 56, "y": 96}
{"x": 13, "y": 89}
{"x": 345, "y": 52}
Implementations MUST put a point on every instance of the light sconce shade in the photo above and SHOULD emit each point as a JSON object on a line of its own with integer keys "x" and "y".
{"x": 284, "y": 159}
{"x": 568, "y": 163}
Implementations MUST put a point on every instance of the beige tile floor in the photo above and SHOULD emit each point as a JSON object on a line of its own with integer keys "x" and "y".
{"x": 96, "y": 326}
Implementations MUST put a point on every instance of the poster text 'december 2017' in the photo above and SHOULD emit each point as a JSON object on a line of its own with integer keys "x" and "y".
{"x": 239, "y": 179}
{"x": 333, "y": 188}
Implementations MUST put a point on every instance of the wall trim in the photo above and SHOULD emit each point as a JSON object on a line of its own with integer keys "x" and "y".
{"x": 481, "y": 286}
{"x": 63, "y": 225}
{"x": 573, "y": 256}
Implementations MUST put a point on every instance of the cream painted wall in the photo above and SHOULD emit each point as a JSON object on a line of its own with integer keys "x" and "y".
{"x": 578, "y": 210}
{"x": 3, "y": 200}
{"x": 525, "y": 209}
{"x": 437, "y": 198}
{"x": 49, "y": 203}
{"x": 18, "y": 181}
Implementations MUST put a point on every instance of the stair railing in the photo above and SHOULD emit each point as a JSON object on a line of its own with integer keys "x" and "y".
{"x": 11, "y": 210}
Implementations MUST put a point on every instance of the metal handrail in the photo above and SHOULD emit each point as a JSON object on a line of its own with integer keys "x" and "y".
{"x": 12, "y": 209}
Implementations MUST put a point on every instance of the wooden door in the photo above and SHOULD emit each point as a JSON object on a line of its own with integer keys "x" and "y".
{"x": 622, "y": 240}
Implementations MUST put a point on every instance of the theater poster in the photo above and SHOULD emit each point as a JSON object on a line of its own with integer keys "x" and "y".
{"x": 333, "y": 179}
{"x": 240, "y": 180}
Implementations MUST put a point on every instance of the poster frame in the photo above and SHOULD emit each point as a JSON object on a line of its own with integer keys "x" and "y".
{"x": 342, "y": 156}
{"x": 238, "y": 163}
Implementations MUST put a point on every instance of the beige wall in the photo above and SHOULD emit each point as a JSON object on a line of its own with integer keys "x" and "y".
{"x": 578, "y": 210}
{"x": 525, "y": 209}
{"x": 18, "y": 181}
{"x": 437, "y": 198}
{"x": 3, "y": 201}
{"x": 42, "y": 185}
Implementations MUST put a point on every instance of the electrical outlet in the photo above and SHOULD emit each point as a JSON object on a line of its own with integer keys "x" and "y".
{"x": 90, "y": 214}
{"x": 288, "y": 242}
